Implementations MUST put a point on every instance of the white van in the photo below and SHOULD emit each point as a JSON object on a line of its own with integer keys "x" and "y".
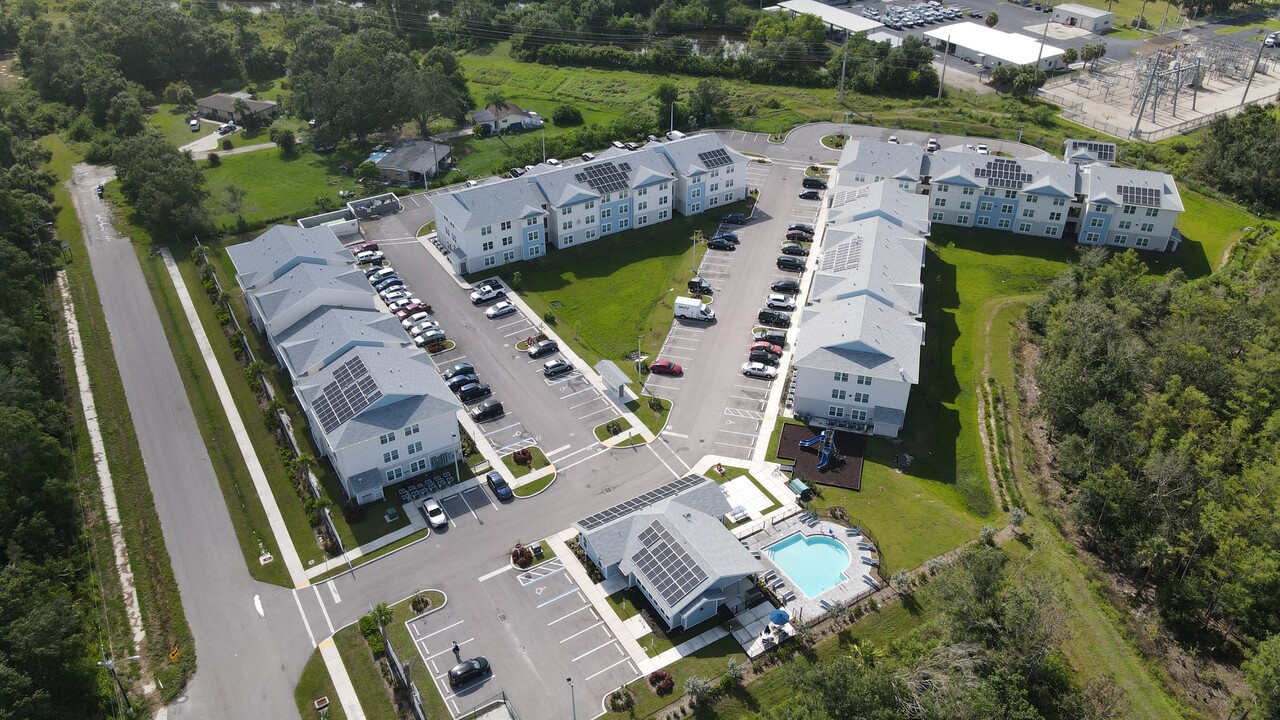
{"x": 195, "y": 125}
{"x": 675, "y": 135}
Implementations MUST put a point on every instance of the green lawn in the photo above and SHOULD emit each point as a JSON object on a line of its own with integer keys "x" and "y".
{"x": 730, "y": 472}
{"x": 655, "y": 420}
{"x": 606, "y": 293}
{"x": 539, "y": 461}
{"x": 398, "y": 634}
{"x": 709, "y": 662}
{"x": 316, "y": 683}
{"x": 603, "y": 434}
{"x": 175, "y": 125}
{"x": 622, "y": 605}
{"x": 1261, "y": 28}
{"x": 280, "y": 187}
{"x": 366, "y": 678}
{"x": 1209, "y": 228}
{"x": 533, "y": 488}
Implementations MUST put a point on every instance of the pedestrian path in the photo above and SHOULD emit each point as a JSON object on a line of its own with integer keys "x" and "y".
{"x": 341, "y": 680}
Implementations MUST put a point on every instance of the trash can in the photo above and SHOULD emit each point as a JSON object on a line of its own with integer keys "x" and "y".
{"x": 802, "y": 490}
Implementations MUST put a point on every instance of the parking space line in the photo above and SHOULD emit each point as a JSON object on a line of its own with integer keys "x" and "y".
{"x": 597, "y": 412}
{"x": 623, "y": 660}
{"x": 557, "y": 451}
{"x": 561, "y": 596}
{"x": 491, "y": 432}
{"x": 333, "y": 590}
{"x": 582, "y": 404}
{"x": 467, "y": 502}
{"x": 664, "y": 387}
{"x": 679, "y": 357}
{"x": 494, "y": 574}
{"x": 587, "y": 629}
{"x": 447, "y": 651}
{"x": 673, "y": 433}
{"x": 575, "y": 612}
{"x": 735, "y": 432}
{"x": 578, "y": 392}
{"x": 611, "y": 642}
{"x": 732, "y": 445}
{"x": 424, "y": 637}
{"x": 540, "y": 578}
{"x": 517, "y": 321}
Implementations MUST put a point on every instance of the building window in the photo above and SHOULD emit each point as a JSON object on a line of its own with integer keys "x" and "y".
{"x": 714, "y": 187}
{"x": 943, "y": 187}
{"x": 663, "y": 186}
{"x": 417, "y": 466}
{"x": 966, "y": 204}
{"x": 566, "y": 225}
{"x": 487, "y": 246}
{"x": 985, "y": 205}
{"x": 531, "y": 222}
{"x": 642, "y": 206}
{"x": 728, "y": 197}
{"x": 904, "y": 185}
{"x": 642, "y": 220}
{"x": 1004, "y": 223}
{"x": 1095, "y": 222}
{"x": 940, "y": 202}
{"x": 1006, "y": 209}
{"x": 1130, "y": 210}
{"x": 568, "y": 210}
{"x": 835, "y": 411}
{"x": 1055, "y": 216}
{"x": 589, "y": 219}
{"x": 389, "y": 437}
{"x": 838, "y": 394}
{"x": 1028, "y": 213}
{"x": 390, "y": 456}
{"x": 414, "y": 448}
{"x": 989, "y": 192}
{"x": 509, "y": 256}
{"x": 728, "y": 184}
{"x": 1024, "y": 227}
{"x": 1059, "y": 202}
{"x": 842, "y": 377}
{"x": 490, "y": 261}
{"x": 695, "y": 193}
{"x": 535, "y": 251}
{"x": 695, "y": 207}
{"x": 1148, "y": 227}
{"x": 1120, "y": 239}
{"x": 623, "y": 209}
{"x": 606, "y": 228}
{"x": 712, "y": 201}
{"x": 411, "y": 430}
{"x": 861, "y": 397}
{"x": 591, "y": 234}
{"x": 662, "y": 215}
{"x": 858, "y": 415}
{"x": 963, "y": 219}
{"x": 859, "y": 177}
{"x": 966, "y": 191}
{"x": 506, "y": 225}
{"x": 535, "y": 236}
{"x": 1153, "y": 212}
{"x": 936, "y": 216}
{"x": 606, "y": 213}
{"x": 1091, "y": 237}
{"x": 394, "y": 474}
{"x": 984, "y": 220}
{"x": 508, "y": 241}
{"x": 624, "y": 223}
{"x": 1142, "y": 242}
{"x": 1033, "y": 199}
{"x": 1010, "y": 194}
{"x": 486, "y": 230}
{"x": 566, "y": 240}
{"x": 1124, "y": 225}
{"x": 663, "y": 200}
{"x": 1100, "y": 208}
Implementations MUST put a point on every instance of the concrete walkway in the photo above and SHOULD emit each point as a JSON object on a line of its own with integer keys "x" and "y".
{"x": 105, "y": 483}
{"x": 289, "y": 554}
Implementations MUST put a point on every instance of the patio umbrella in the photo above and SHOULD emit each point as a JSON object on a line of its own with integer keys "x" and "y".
{"x": 779, "y": 617}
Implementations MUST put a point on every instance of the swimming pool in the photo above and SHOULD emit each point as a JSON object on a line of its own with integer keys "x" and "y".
{"x": 813, "y": 564}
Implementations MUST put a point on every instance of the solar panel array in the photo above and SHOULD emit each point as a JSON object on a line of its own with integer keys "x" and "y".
{"x": 1104, "y": 151}
{"x": 1003, "y": 173}
{"x": 605, "y": 177}
{"x": 845, "y": 256}
{"x": 351, "y": 391}
{"x": 667, "y": 565}
{"x": 715, "y": 158}
{"x": 1141, "y": 196}
{"x": 641, "y": 502}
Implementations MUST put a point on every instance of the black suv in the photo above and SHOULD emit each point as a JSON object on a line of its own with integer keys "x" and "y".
{"x": 786, "y": 287}
{"x": 773, "y": 318}
{"x": 459, "y": 369}
{"x": 465, "y": 672}
{"x": 473, "y": 391}
{"x": 794, "y": 249}
{"x": 775, "y": 337}
{"x": 487, "y": 410}
{"x": 498, "y": 485}
{"x": 734, "y": 219}
{"x": 787, "y": 262}
{"x": 699, "y": 286}
{"x": 763, "y": 356}
{"x": 814, "y": 183}
{"x": 458, "y": 381}
{"x": 720, "y": 244}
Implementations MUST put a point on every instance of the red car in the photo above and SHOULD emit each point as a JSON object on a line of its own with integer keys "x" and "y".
{"x": 665, "y": 367}
{"x": 408, "y": 310}
{"x": 799, "y": 236}
{"x": 364, "y": 247}
{"x": 766, "y": 346}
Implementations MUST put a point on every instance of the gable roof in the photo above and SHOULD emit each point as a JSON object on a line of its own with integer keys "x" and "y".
{"x": 577, "y": 183}
{"x": 482, "y": 205}
{"x": 315, "y": 341}
{"x": 900, "y": 207}
{"x": 872, "y": 158}
{"x": 687, "y": 154}
{"x": 502, "y": 110}
{"x": 280, "y": 248}
{"x": 1110, "y": 185}
{"x": 1049, "y": 177}
{"x": 860, "y": 335}
{"x": 420, "y": 156}
{"x": 872, "y": 257}
{"x": 304, "y": 280}
{"x": 223, "y": 102}
{"x": 406, "y": 389}
{"x": 1083, "y": 10}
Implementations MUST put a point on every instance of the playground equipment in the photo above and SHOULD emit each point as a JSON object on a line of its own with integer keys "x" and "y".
{"x": 827, "y": 453}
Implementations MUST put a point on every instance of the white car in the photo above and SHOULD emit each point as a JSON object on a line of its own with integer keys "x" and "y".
{"x": 759, "y": 370}
{"x": 424, "y": 327}
{"x": 780, "y": 302}
{"x": 435, "y": 513}
{"x": 983, "y": 149}
{"x": 553, "y": 162}
{"x": 893, "y": 140}
{"x": 400, "y": 302}
{"x": 398, "y": 292}
{"x": 369, "y": 257}
{"x": 502, "y": 309}
{"x": 485, "y": 293}
{"x": 932, "y": 146}
{"x": 414, "y": 319}
{"x": 588, "y": 156}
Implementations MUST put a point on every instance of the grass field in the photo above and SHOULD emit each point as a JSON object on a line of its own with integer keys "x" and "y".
{"x": 174, "y": 124}
{"x": 709, "y": 662}
{"x": 653, "y": 419}
{"x": 398, "y": 635}
{"x": 315, "y": 683}
{"x": 375, "y": 697}
{"x": 533, "y": 488}
{"x": 607, "y": 292}
{"x": 280, "y": 187}
{"x": 518, "y": 470}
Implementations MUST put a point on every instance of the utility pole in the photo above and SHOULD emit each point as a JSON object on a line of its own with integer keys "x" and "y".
{"x": 673, "y": 115}
{"x": 844, "y": 62}
{"x": 544, "y": 142}
{"x": 946, "y": 51}
{"x": 111, "y": 668}
{"x": 573, "y": 698}
{"x": 1044, "y": 34}
{"x": 1256, "y": 60}
{"x": 457, "y": 451}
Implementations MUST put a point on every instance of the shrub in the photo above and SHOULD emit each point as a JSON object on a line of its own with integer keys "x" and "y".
{"x": 420, "y": 603}
{"x": 369, "y": 629}
{"x": 522, "y": 556}
{"x": 621, "y": 700}
{"x": 655, "y": 404}
{"x": 566, "y": 115}
{"x": 226, "y": 144}
{"x": 214, "y": 160}
{"x": 549, "y": 317}
{"x": 987, "y": 534}
{"x": 699, "y": 689}
{"x": 662, "y": 682}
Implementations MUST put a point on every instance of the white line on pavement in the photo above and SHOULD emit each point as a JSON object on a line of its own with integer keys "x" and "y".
{"x": 467, "y": 502}
{"x": 543, "y": 577}
{"x": 678, "y": 357}
{"x": 740, "y": 447}
{"x": 578, "y": 392}
{"x": 447, "y": 651}
{"x": 575, "y": 612}
{"x": 508, "y": 427}
{"x": 333, "y": 590}
{"x": 597, "y": 412}
{"x": 446, "y": 627}
{"x": 673, "y": 433}
{"x": 494, "y": 574}
{"x": 561, "y": 596}
{"x": 664, "y": 387}
{"x": 664, "y": 462}
{"x": 592, "y": 455}
{"x": 623, "y": 660}
{"x": 587, "y": 629}
{"x": 324, "y": 611}
{"x": 557, "y": 451}
{"x": 305, "y": 624}
{"x": 611, "y": 642}
{"x": 734, "y": 432}
{"x": 584, "y": 404}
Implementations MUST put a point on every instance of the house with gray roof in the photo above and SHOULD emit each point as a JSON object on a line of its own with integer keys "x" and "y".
{"x": 605, "y": 196}
{"x": 414, "y": 162}
{"x": 708, "y": 173}
{"x": 380, "y": 414}
{"x": 870, "y": 257}
{"x": 883, "y": 200}
{"x": 671, "y": 545}
{"x": 303, "y": 289}
{"x": 489, "y": 225}
{"x": 328, "y": 332}
{"x": 507, "y": 116}
{"x": 1026, "y": 196}
{"x": 1129, "y": 208}
{"x": 866, "y": 162}
{"x": 1087, "y": 152}
{"x": 280, "y": 249}
{"x": 222, "y": 107}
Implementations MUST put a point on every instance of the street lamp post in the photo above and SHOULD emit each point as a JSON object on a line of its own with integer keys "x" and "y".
{"x": 457, "y": 451}
{"x": 639, "y": 353}
{"x": 573, "y": 698}
{"x": 110, "y": 665}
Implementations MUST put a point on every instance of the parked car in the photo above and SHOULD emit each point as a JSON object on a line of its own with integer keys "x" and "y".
{"x": 370, "y": 257}
{"x": 786, "y": 262}
{"x": 720, "y": 244}
{"x": 766, "y": 346}
{"x": 631, "y": 146}
{"x": 423, "y": 328}
{"x": 377, "y": 275}
{"x": 814, "y": 183}
{"x": 773, "y": 318}
{"x": 734, "y": 219}
{"x": 779, "y": 302}
{"x": 803, "y": 227}
{"x": 487, "y": 292}
{"x": 762, "y": 357}
{"x": 430, "y": 338}
{"x": 389, "y": 283}
{"x": 932, "y": 145}
{"x": 411, "y": 320}
{"x": 456, "y": 370}
{"x": 799, "y": 236}
{"x": 98, "y": 190}
{"x": 543, "y": 347}
{"x": 665, "y": 367}
{"x": 465, "y": 672}
{"x": 474, "y": 391}
{"x": 559, "y": 366}
{"x": 810, "y": 195}
{"x": 588, "y": 156}
{"x": 794, "y": 249}
{"x": 502, "y": 309}
{"x": 397, "y": 297}
{"x": 552, "y": 162}
{"x": 499, "y": 485}
{"x": 983, "y": 149}
{"x": 194, "y": 125}
{"x": 365, "y": 247}
{"x": 487, "y": 410}
{"x": 515, "y": 172}
{"x": 776, "y": 337}
{"x": 759, "y": 370}
{"x": 435, "y": 513}
{"x": 790, "y": 287}
{"x": 698, "y": 286}
{"x": 411, "y": 309}
{"x": 457, "y": 382}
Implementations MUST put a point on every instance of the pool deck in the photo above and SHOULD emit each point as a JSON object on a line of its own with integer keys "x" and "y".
{"x": 802, "y": 606}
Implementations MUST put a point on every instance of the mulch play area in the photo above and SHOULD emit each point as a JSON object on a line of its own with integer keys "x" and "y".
{"x": 846, "y": 473}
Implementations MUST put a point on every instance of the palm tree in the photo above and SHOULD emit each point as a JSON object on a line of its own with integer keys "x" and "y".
{"x": 382, "y": 614}
{"x": 239, "y": 110}
{"x": 495, "y": 97}
{"x": 991, "y": 19}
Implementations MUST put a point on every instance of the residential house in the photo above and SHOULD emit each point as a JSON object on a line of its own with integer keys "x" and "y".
{"x": 282, "y": 248}
{"x": 307, "y": 287}
{"x": 671, "y": 545}
{"x": 609, "y": 195}
{"x": 870, "y": 257}
{"x": 1088, "y": 152}
{"x": 707, "y": 172}
{"x": 903, "y": 208}
{"x": 1030, "y": 197}
{"x": 500, "y": 118}
{"x": 414, "y": 162}
{"x": 489, "y": 225}
{"x": 1129, "y": 208}
{"x": 866, "y": 162}
{"x": 327, "y": 333}
{"x": 222, "y": 107}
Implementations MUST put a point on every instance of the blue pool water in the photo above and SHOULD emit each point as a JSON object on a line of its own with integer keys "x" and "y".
{"x": 813, "y": 564}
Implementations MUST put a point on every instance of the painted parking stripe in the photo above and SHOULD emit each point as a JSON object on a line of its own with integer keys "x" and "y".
{"x": 584, "y": 630}
{"x": 611, "y": 642}
{"x": 735, "y": 432}
{"x": 491, "y": 432}
{"x": 673, "y": 433}
{"x": 557, "y": 451}
{"x": 561, "y": 596}
{"x": 664, "y": 387}
{"x": 578, "y": 392}
{"x": 544, "y": 577}
{"x": 333, "y": 590}
{"x": 597, "y": 412}
{"x": 570, "y": 614}
{"x": 584, "y": 404}
{"x": 437, "y": 632}
{"x": 623, "y": 660}
{"x": 323, "y": 610}
{"x": 494, "y": 574}
{"x": 739, "y": 447}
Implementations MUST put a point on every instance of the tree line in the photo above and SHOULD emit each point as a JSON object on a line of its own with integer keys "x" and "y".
{"x": 1162, "y": 399}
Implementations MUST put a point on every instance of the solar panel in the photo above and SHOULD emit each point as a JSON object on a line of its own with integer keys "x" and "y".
{"x": 671, "y": 489}
{"x": 1003, "y": 173}
{"x": 1141, "y": 196}
{"x": 353, "y": 389}
{"x": 605, "y": 177}
{"x": 668, "y": 567}
{"x": 845, "y": 256}
{"x": 715, "y": 158}
{"x": 1104, "y": 151}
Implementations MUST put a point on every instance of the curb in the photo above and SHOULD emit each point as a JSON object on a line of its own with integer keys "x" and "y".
{"x": 432, "y": 610}
{"x": 540, "y": 563}
{"x": 554, "y": 476}
{"x": 354, "y": 567}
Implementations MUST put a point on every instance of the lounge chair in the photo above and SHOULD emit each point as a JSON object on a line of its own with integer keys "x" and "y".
{"x": 826, "y": 605}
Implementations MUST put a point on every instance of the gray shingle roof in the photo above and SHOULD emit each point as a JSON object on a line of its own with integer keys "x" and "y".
{"x": 860, "y": 335}
{"x": 683, "y": 153}
{"x": 412, "y": 391}
{"x": 327, "y": 332}
{"x": 1052, "y": 178}
{"x": 899, "y": 162}
{"x": 900, "y": 207}
{"x": 871, "y": 256}
{"x": 277, "y": 250}
{"x": 561, "y": 186}
{"x": 304, "y": 280}
{"x": 226, "y": 103}
{"x": 486, "y": 204}
{"x": 415, "y": 156}
{"x": 1102, "y": 184}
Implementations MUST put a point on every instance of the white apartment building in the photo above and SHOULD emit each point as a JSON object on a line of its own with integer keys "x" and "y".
{"x": 1129, "y": 208}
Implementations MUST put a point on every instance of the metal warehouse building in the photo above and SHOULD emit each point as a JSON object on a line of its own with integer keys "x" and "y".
{"x": 1095, "y": 20}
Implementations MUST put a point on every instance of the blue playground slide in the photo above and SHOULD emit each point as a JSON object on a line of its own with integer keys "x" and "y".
{"x": 824, "y": 458}
{"x": 814, "y": 440}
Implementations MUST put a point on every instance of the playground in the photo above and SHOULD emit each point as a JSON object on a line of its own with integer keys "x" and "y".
{"x": 828, "y": 457}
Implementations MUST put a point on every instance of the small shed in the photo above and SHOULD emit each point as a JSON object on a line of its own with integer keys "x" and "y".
{"x": 1095, "y": 20}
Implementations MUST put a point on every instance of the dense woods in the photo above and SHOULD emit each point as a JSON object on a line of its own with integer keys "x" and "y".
{"x": 1162, "y": 397}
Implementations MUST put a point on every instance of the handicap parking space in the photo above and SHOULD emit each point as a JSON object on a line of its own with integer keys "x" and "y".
{"x": 583, "y": 400}
{"x": 743, "y": 416}
{"x": 507, "y": 435}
